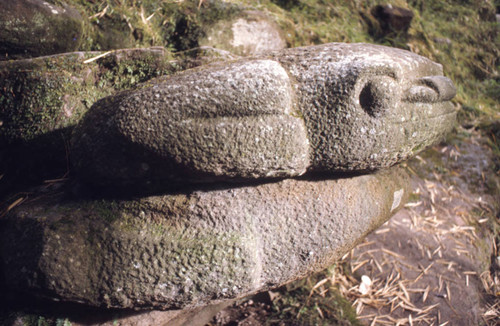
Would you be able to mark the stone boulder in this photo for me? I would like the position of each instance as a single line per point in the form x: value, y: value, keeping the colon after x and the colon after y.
x: 320, y: 109
x: 193, y: 248
x: 392, y: 19
x: 43, y: 94
x: 32, y: 28
x: 248, y: 33
x: 41, y: 99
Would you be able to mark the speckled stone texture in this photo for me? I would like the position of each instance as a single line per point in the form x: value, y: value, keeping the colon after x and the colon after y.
x: 328, y: 108
x: 368, y: 106
x: 192, y: 248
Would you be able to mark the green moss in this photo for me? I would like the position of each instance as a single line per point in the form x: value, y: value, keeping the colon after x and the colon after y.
x: 53, y: 93
x: 414, y: 197
x: 124, y: 74
x: 43, y: 96
x: 132, y: 23
x: 298, y: 306
x: 35, y: 320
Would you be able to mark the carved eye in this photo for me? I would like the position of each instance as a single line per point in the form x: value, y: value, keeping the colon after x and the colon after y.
x: 378, y: 95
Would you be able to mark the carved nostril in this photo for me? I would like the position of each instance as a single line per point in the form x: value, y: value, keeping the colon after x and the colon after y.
x: 431, y: 89
x: 442, y: 85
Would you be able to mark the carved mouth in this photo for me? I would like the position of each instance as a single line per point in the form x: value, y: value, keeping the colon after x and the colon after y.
x: 443, y: 114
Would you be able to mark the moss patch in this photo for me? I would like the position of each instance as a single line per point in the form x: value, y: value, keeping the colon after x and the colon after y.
x: 299, y: 303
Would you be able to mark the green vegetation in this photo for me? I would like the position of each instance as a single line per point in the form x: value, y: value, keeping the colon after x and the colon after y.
x: 41, y: 321
x: 32, y: 320
x: 313, y: 301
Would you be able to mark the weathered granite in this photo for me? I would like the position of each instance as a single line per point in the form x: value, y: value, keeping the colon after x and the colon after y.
x: 32, y: 28
x: 192, y: 248
x: 330, y: 108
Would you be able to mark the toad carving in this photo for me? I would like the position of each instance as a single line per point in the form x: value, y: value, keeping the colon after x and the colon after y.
x: 329, y: 108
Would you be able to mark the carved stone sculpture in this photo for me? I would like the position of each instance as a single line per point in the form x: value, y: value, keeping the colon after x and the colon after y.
x: 300, y: 114
x: 327, y: 108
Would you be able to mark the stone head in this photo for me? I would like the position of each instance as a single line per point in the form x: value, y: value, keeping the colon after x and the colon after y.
x: 367, y: 106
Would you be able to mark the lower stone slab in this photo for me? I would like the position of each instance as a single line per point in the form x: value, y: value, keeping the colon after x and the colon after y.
x: 194, y: 248
x: 28, y: 311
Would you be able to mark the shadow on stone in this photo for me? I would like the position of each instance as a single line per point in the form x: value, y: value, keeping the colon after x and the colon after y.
x: 18, y: 306
x: 27, y: 163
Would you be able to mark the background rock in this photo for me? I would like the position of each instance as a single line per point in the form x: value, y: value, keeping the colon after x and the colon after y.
x: 41, y: 99
x: 393, y: 19
x: 194, y: 248
x: 248, y: 33
x: 32, y: 28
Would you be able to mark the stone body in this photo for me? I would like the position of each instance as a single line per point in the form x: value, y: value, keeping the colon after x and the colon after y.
x: 192, y: 248
x: 32, y: 28
x: 320, y: 109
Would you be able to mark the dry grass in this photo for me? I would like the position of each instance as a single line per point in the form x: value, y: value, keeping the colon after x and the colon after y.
x: 446, y: 224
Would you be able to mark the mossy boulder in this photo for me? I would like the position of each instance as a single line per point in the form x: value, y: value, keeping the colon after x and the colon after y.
x: 41, y: 99
x: 191, y: 248
x: 32, y: 28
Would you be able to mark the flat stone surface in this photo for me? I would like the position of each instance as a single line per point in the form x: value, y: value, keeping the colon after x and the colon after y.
x: 193, y: 248
x: 330, y: 108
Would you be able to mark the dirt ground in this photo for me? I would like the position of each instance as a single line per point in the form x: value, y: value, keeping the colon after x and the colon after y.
x: 435, y: 262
